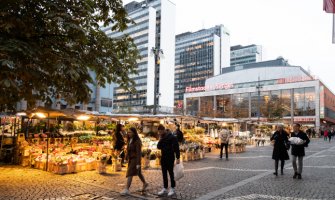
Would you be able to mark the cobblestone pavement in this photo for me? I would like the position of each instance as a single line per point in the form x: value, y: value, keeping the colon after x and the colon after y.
x: 244, y: 176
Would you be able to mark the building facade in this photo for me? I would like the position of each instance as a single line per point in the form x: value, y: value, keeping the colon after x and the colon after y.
x: 240, y: 55
x: 154, y: 28
x: 271, y: 91
x: 199, y: 55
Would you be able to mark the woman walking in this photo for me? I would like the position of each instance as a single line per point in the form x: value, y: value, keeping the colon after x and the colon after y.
x: 280, y: 139
x: 134, y: 154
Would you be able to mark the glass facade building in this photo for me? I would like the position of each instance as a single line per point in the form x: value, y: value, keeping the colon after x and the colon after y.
x: 240, y: 55
x: 199, y: 55
x: 154, y: 27
x: 273, y: 91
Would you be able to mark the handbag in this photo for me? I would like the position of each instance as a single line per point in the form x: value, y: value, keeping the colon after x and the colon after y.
x: 287, y: 145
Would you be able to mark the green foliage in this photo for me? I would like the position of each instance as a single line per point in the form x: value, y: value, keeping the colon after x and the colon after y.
x: 50, y: 49
x: 85, y: 138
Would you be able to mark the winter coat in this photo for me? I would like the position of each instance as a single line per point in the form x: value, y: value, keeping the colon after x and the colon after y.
x: 169, y: 149
x: 280, y: 139
x: 119, y: 141
x: 326, y: 133
x: 134, y: 155
x: 299, y: 150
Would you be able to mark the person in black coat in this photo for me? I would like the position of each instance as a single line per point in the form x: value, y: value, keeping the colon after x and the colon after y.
x: 119, y: 141
x: 179, y: 135
x: 298, y: 151
x: 168, y: 144
x: 280, y: 139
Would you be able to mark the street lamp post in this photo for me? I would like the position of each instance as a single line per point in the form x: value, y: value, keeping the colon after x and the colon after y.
x: 156, y: 51
x: 259, y: 87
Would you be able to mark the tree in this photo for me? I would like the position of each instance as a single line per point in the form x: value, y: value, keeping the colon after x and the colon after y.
x: 48, y: 48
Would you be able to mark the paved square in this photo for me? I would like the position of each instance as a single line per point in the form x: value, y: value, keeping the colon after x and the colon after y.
x: 245, y: 176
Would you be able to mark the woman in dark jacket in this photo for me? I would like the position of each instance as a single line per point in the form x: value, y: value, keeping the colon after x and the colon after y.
x: 134, y: 155
x: 280, y: 139
x: 119, y: 141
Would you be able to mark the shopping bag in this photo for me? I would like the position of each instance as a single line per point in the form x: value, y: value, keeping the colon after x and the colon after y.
x: 178, y: 171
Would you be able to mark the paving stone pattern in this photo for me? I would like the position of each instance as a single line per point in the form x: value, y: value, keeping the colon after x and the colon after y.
x: 209, y: 176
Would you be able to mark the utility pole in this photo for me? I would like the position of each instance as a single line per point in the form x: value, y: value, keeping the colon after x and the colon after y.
x: 259, y: 87
x: 156, y: 51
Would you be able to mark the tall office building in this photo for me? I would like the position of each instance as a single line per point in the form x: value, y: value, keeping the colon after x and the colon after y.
x: 154, y: 28
x: 200, y: 55
x: 240, y: 55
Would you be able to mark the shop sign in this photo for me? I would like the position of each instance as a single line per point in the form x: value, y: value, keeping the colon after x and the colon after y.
x: 219, y: 86
x: 304, y: 119
x: 294, y: 79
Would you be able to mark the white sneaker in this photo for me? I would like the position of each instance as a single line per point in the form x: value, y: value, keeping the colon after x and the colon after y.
x: 125, y: 192
x: 162, y: 192
x: 171, y: 192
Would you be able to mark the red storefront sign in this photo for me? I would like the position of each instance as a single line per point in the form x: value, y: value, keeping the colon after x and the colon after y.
x: 304, y: 119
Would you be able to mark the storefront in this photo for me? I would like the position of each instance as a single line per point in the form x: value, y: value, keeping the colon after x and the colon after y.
x: 272, y: 94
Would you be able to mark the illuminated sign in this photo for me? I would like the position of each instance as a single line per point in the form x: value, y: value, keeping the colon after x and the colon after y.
x: 304, y: 119
x: 219, y: 86
x: 294, y: 79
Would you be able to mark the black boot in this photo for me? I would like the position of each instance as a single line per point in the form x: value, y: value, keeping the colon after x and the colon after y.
x: 299, y: 176
x: 295, y: 175
x: 275, y: 173
x: 282, y: 167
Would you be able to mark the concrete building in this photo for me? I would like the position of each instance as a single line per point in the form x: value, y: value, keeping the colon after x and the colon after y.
x: 199, y: 55
x: 270, y: 91
x: 240, y: 55
x: 154, y: 28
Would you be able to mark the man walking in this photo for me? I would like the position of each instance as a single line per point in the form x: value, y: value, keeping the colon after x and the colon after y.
x: 224, y: 140
x: 298, y: 151
x: 168, y: 144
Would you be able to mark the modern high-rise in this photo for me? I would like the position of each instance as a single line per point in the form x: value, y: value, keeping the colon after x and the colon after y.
x: 154, y: 27
x: 199, y: 55
x: 240, y: 55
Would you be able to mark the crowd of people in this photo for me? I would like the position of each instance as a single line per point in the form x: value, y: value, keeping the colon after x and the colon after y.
x: 327, y: 133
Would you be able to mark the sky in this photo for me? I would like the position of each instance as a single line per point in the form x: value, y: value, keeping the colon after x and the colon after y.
x: 298, y: 30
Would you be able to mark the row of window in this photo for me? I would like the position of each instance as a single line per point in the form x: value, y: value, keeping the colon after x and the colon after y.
x: 271, y: 104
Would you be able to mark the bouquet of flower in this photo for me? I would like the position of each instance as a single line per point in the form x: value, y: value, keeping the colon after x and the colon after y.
x: 103, y: 158
x: 296, y: 141
x: 146, y: 153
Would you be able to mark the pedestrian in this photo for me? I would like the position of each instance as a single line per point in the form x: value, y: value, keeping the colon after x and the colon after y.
x: 330, y: 134
x: 134, y: 155
x: 298, y: 151
x: 179, y: 134
x: 325, y: 135
x: 281, y: 145
x: 313, y: 133
x: 119, y: 141
x: 224, y: 141
x: 309, y: 132
x: 168, y: 144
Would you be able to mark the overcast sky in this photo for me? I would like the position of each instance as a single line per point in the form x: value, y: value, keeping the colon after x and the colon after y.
x: 298, y: 30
